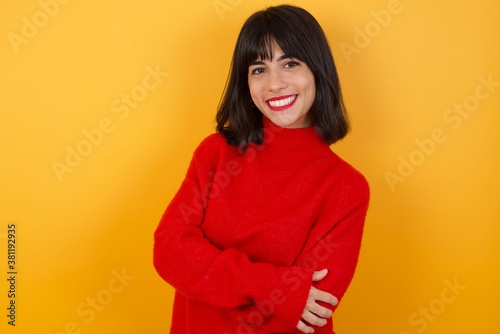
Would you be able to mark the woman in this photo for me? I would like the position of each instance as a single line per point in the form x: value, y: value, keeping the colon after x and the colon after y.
x: 264, y: 233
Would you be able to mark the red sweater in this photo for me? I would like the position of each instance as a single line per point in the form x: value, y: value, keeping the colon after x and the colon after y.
x: 242, y: 236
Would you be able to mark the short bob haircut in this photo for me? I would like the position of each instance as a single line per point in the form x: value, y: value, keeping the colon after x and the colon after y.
x: 300, y: 36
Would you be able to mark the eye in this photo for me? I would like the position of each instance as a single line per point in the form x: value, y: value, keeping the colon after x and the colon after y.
x: 257, y: 71
x: 292, y: 64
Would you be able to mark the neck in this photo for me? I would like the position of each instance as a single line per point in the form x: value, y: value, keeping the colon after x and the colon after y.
x: 294, y: 143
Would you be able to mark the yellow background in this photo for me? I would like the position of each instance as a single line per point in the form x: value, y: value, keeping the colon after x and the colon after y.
x: 77, y: 229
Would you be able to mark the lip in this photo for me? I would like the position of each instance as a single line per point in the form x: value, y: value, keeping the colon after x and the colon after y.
x: 280, y: 98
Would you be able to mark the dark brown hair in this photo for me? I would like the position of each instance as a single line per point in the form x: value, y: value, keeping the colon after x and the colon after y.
x: 300, y: 36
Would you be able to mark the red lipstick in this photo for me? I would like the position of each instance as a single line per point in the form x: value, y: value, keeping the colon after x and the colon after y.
x: 280, y: 103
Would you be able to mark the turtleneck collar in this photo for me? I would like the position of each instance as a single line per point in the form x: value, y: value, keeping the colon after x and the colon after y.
x: 295, y: 143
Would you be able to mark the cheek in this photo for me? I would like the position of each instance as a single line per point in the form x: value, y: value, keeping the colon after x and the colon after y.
x: 309, y: 87
x: 313, y: 92
x: 311, y: 96
x: 253, y: 90
x: 256, y: 95
x: 306, y: 82
x: 312, y: 86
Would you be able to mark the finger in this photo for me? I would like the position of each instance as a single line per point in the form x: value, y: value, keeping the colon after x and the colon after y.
x: 301, y: 326
x: 323, y: 296
x: 319, y: 275
x: 318, y: 311
x: 313, y: 319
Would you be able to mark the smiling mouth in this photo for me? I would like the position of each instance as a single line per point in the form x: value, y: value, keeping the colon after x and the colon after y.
x: 282, y: 102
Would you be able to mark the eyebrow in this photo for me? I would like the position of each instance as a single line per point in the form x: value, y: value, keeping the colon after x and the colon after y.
x: 260, y: 62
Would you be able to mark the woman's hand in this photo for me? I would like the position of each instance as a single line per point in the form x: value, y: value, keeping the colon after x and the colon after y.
x: 315, y: 314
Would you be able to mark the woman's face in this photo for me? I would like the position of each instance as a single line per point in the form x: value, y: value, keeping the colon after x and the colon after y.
x: 283, y: 88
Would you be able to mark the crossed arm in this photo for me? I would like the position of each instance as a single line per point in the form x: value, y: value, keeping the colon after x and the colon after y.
x: 227, y: 279
x: 314, y: 314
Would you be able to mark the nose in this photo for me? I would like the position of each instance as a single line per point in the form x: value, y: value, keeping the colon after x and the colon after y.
x: 276, y: 81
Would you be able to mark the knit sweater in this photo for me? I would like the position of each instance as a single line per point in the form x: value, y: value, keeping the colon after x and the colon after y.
x: 244, y: 233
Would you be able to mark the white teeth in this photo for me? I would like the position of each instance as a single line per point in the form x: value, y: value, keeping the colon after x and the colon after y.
x: 282, y: 103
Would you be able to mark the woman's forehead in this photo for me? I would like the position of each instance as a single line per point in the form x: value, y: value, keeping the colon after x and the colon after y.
x: 272, y: 51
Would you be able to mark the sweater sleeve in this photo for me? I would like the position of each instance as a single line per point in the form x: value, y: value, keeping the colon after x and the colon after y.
x: 334, y: 243
x: 225, y: 279
x: 335, y: 240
